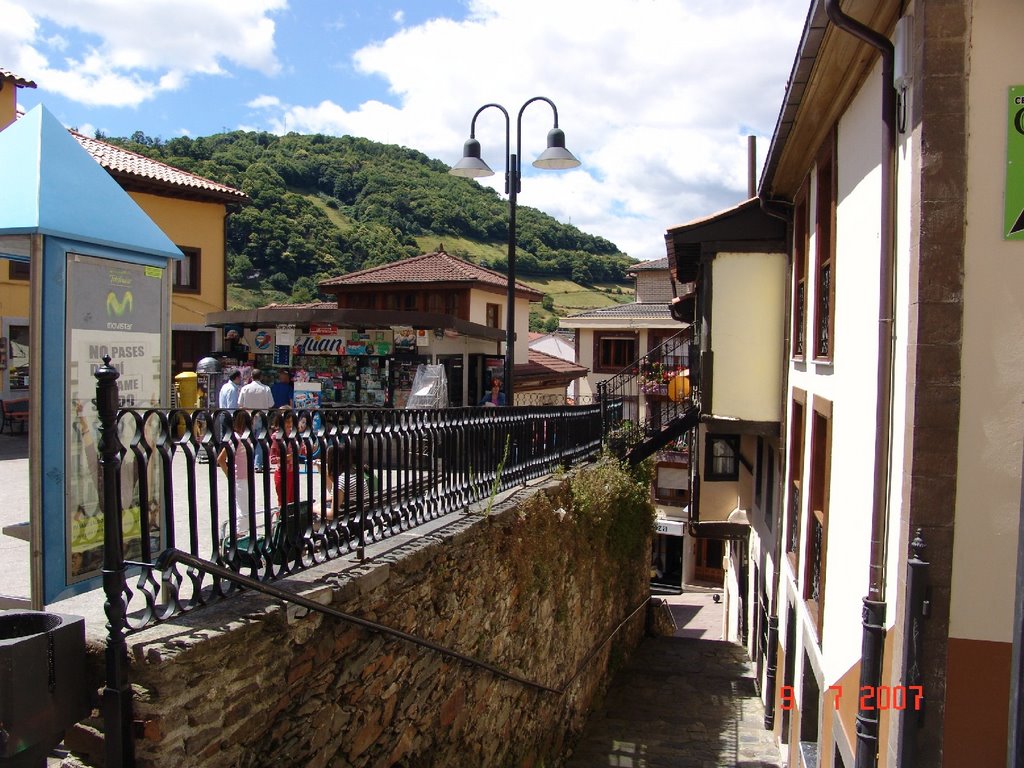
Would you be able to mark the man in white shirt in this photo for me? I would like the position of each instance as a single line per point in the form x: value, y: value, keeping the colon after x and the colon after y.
x: 227, y: 399
x: 257, y: 396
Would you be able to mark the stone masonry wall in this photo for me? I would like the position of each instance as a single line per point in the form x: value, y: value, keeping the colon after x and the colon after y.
x: 531, y: 587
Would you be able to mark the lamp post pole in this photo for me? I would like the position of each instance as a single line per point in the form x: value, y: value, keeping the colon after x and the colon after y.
x: 555, y: 157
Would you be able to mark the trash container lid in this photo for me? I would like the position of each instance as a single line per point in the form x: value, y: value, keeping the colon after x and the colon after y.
x: 185, y: 375
x: 208, y: 365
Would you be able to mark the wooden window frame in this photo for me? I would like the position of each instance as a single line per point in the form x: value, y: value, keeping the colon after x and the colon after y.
x: 600, y: 366
x: 194, y: 260
x: 710, y: 475
x: 823, y: 337
x: 817, y: 508
x: 798, y: 336
x: 492, y: 315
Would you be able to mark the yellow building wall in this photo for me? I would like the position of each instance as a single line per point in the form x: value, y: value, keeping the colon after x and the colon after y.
x: 8, y: 103
x: 746, y: 335
x: 13, y: 294
x: 199, y: 225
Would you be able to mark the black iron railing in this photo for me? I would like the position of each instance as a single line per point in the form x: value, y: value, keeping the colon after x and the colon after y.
x: 793, y: 520
x: 334, y: 481
x: 814, y: 556
x: 650, y: 394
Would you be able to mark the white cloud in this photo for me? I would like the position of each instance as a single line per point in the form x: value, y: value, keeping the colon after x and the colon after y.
x: 656, y: 99
x: 398, y: 17
x: 264, y: 101
x: 122, y: 54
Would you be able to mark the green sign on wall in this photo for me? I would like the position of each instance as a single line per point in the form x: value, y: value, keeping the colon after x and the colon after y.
x: 1013, y: 218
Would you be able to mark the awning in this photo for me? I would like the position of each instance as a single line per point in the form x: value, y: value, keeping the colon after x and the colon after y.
x: 269, y: 317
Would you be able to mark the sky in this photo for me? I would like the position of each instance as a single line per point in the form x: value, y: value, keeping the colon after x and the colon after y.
x: 656, y: 97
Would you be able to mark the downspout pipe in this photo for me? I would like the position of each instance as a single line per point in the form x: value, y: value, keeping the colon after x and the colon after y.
x: 873, y: 636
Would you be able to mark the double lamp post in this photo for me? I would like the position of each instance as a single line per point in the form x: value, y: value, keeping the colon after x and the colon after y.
x: 555, y: 157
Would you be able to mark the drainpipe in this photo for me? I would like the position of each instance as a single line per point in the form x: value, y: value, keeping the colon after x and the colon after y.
x: 873, y: 636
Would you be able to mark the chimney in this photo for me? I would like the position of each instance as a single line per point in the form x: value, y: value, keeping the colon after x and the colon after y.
x: 9, y: 85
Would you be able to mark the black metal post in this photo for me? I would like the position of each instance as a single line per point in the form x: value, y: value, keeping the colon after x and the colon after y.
x: 510, y: 330
x: 119, y: 739
x: 770, y: 672
x: 872, y: 645
x: 916, y: 612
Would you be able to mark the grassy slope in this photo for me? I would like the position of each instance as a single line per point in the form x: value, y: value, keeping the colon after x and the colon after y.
x: 569, y: 297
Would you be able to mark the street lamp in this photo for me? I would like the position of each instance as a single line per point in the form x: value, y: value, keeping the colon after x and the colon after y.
x: 555, y: 157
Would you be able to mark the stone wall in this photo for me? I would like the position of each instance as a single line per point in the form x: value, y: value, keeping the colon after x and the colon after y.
x: 533, y: 588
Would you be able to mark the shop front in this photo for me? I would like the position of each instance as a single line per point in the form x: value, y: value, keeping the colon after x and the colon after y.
x: 348, y: 357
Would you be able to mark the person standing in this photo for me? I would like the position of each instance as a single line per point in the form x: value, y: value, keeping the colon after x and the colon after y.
x: 495, y: 396
x: 256, y: 396
x: 228, y: 396
x: 283, y: 389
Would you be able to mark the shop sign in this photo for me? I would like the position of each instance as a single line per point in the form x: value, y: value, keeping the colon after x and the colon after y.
x: 422, y: 337
x: 354, y: 343
x: 323, y: 329
x: 263, y: 341
x: 669, y: 527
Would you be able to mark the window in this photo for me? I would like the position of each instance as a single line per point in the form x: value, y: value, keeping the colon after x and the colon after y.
x: 493, y: 315
x: 17, y: 270
x: 799, y: 274
x: 817, y: 519
x: 186, y: 271
x: 722, y: 458
x: 614, y: 351
x: 824, y: 253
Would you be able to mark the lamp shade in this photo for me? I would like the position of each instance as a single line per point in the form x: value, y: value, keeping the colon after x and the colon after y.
x: 471, y: 166
x: 556, y: 156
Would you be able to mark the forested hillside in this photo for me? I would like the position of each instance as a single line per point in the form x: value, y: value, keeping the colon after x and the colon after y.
x: 325, y: 205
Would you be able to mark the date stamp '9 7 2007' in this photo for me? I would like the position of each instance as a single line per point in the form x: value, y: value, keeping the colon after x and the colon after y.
x: 882, y: 697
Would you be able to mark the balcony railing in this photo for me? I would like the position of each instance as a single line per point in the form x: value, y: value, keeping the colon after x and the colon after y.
x: 793, y: 520
x: 652, y: 394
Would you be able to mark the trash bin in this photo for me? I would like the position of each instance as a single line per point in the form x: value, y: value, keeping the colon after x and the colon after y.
x: 187, y: 384
x: 43, y: 689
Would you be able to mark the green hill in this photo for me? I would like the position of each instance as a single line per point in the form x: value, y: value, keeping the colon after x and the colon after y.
x: 324, y: 206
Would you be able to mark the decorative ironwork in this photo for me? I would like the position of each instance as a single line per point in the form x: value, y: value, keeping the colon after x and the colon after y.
x: 799, y: 319
x: 337, y: 480
x: 793, y: 520
x: 824, y: 339
x: 814, y: 561
x: 650, y: 394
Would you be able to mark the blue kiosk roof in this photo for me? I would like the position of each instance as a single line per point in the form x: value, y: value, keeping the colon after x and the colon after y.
x: 50, y: 185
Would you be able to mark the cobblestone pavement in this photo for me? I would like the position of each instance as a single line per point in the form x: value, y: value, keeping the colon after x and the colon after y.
x: 680, y: 703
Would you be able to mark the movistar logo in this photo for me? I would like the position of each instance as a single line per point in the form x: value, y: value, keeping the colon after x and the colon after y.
x: 117, y: 307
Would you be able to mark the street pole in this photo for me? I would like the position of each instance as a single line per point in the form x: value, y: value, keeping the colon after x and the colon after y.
x: 555, y: 157
x: 510, y: 330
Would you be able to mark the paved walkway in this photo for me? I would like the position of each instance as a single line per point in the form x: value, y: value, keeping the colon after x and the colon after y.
x: 681, y: 702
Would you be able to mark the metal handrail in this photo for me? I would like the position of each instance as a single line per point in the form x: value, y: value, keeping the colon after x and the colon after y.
x: 170, y: 557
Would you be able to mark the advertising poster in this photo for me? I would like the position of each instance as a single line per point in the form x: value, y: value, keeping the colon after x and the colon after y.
x: 116, y: 309
x: 1013, y: 217
x: 405, y: 340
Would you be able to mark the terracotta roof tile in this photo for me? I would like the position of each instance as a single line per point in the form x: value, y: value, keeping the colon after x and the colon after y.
x: 124, y: 164
x: 636, y: 310
x: 20, y: 82
x: 541, y: 363
x: 437, y: 267
x: 661, y: 263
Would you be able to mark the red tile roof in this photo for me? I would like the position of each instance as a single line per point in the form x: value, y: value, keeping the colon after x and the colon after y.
x: 20, y: 82
x: 141, y: 172
x: 541, y: 363
x: 437, y: 267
